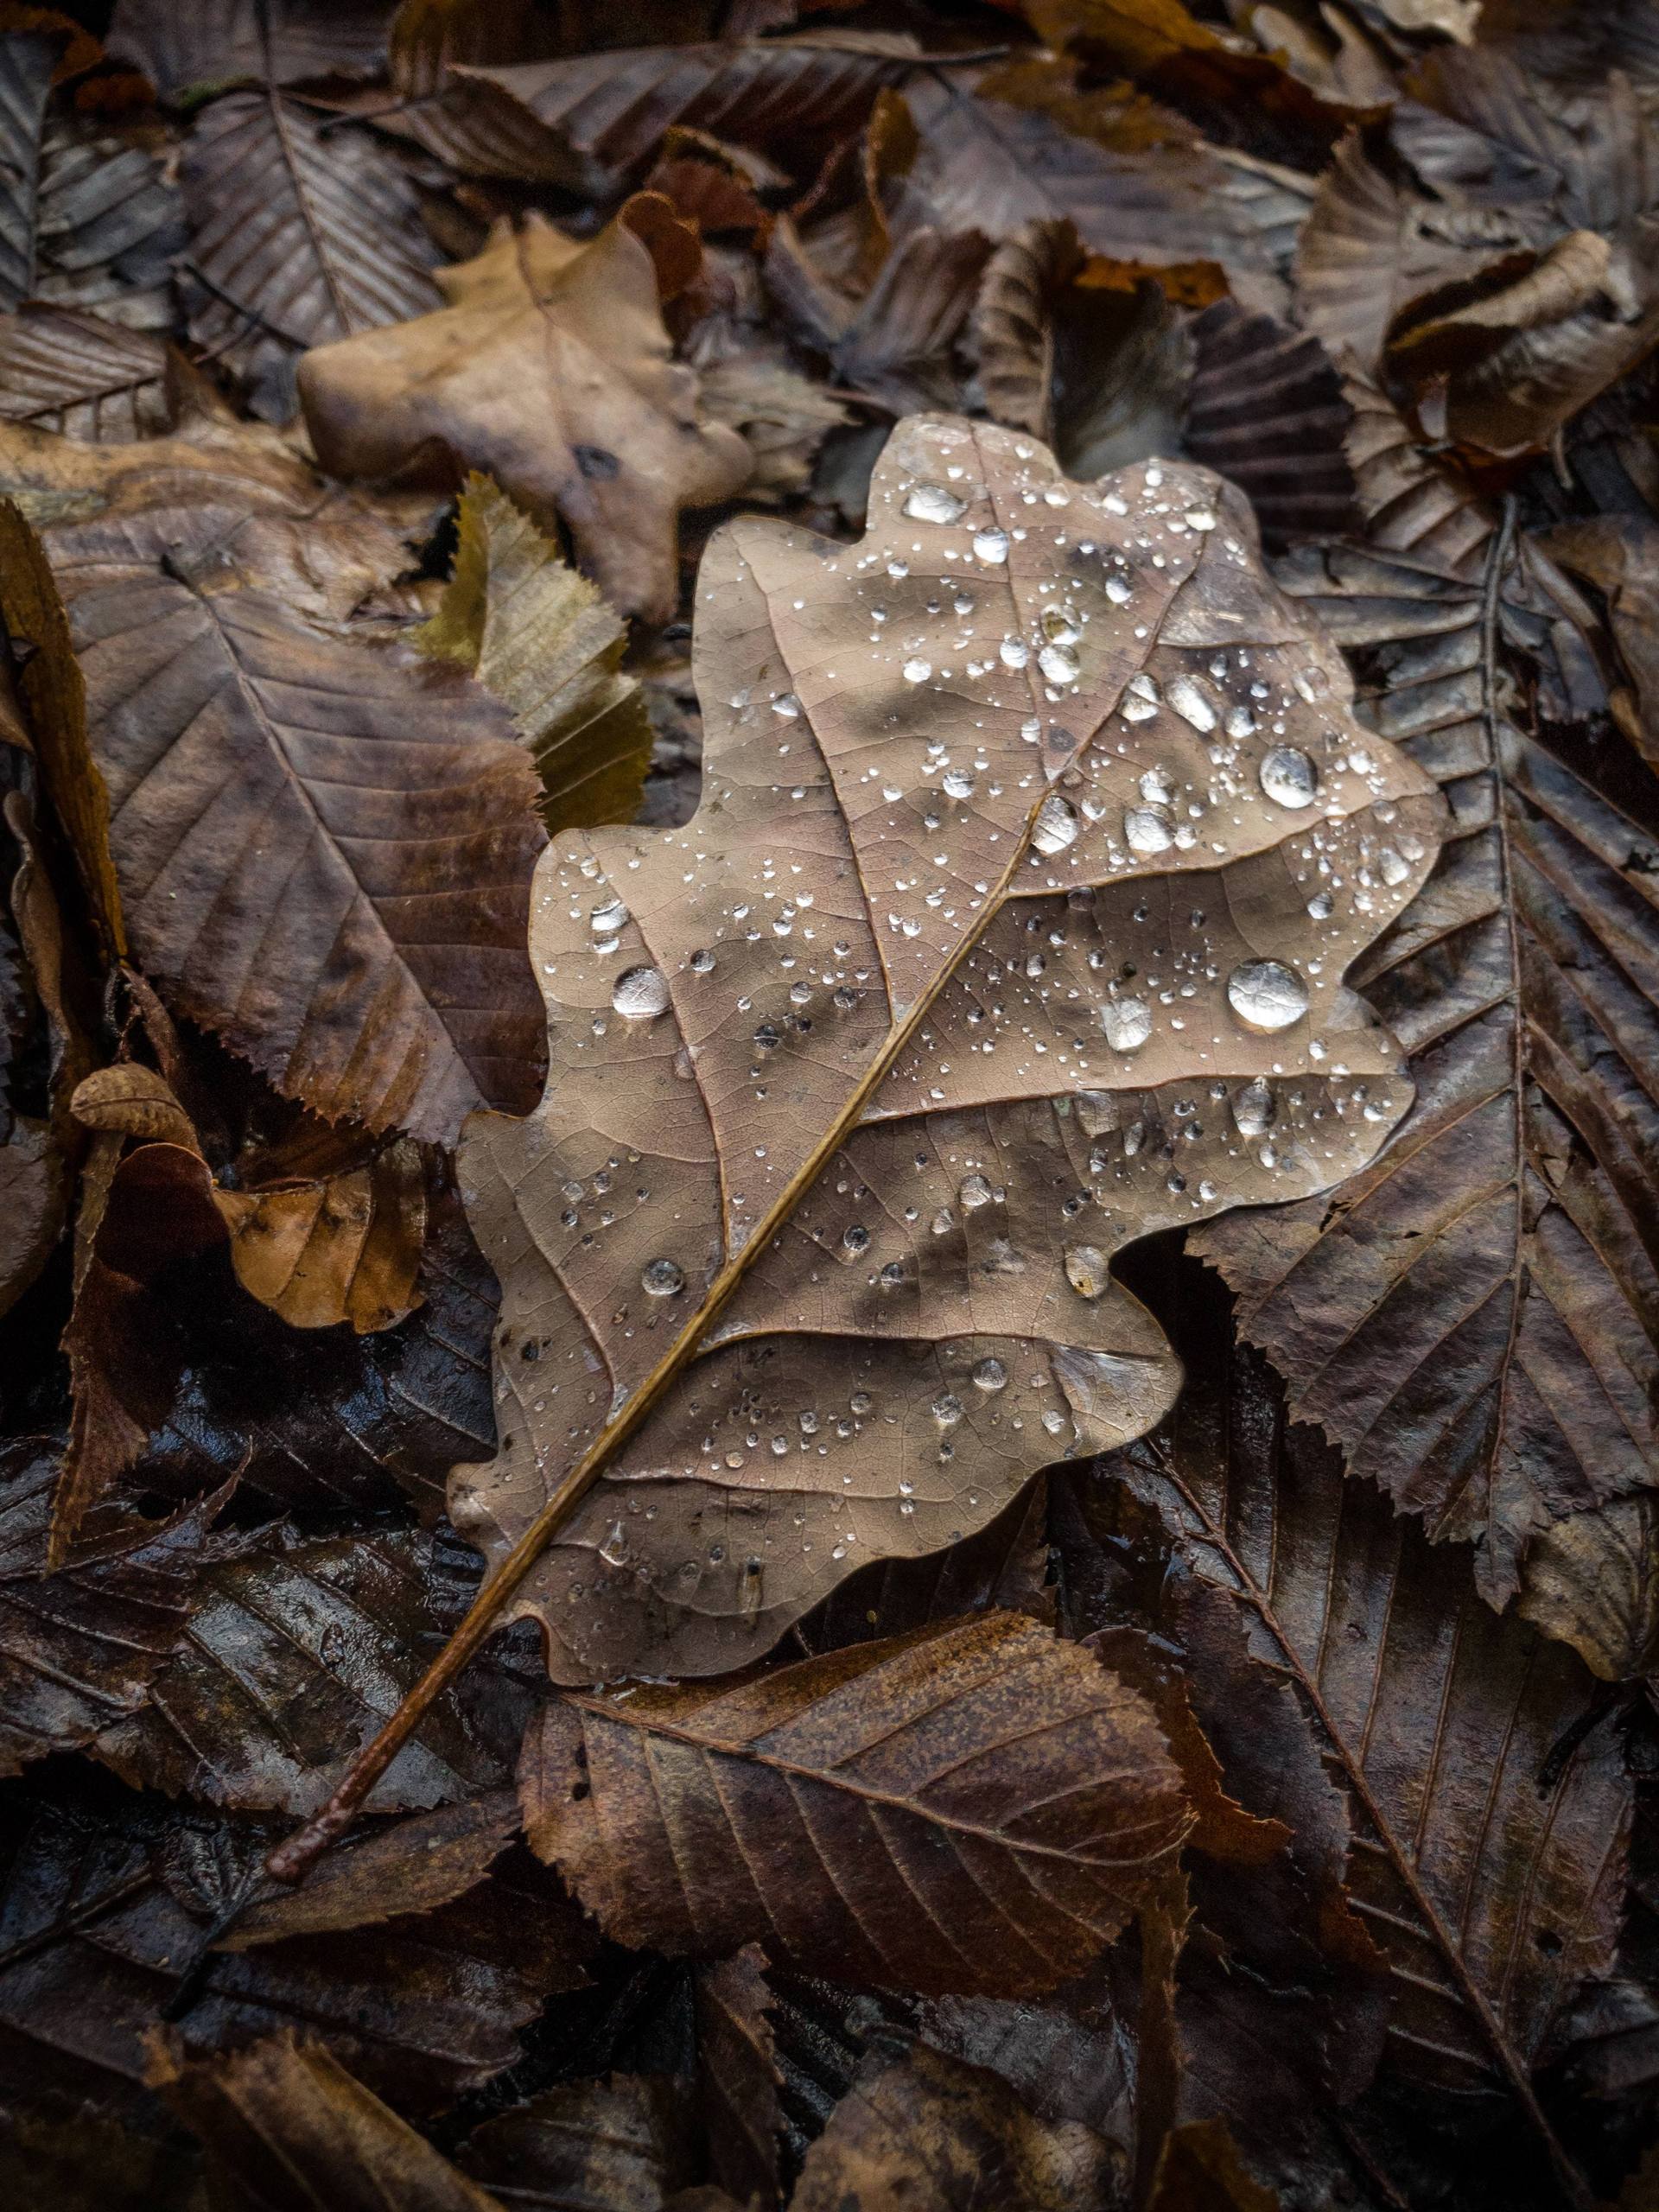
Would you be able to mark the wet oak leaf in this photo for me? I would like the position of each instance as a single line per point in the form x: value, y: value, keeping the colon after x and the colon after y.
x: 948, y: 975
x: 324, y: 848
x: 551, y: 370
x: 540, y: 640
x: 973, y: 1807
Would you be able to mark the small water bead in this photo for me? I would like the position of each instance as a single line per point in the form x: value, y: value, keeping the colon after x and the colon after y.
x: 861, y: 1402
x: 947, y: 1409
x: 1289, y: 777
x: 608, y: 917
x: 1059, y: 663
x: 1392, y: 870
x: 990, y: 1375
x: 1118, y: 590
x: 1096, y: 1112
x: 662, y: 1278
x: 641, y: 994
x: 1190, y: 704
x: 1147, y: 829
x: 1267, y: 996
x: 1241, y: 722
x: 1254, y: 1108
x: 856, y: 1240
x: 1321, y: 905
x: 958, y: 783
x: 916, y: 671
x: 1030, y: 730
x: 1128, y: 1023
x: 1013, y: 652
x: 973, y: 1190
x: 1055, y: 826
x: 1141, y: 700
x: 1086, y: 1270
x: 1156, y: 788
x: 991, y: 547
x: 933, y: 503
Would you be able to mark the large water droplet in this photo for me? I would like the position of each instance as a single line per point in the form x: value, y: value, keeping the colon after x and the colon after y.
x: 990, y: 1375
x: 1128, y: 1023
x: 1254, y: 1108
x: 1147, y: 829
x: 1266, y: 994
x: 973, y: 1190
x: 991, y: 546
x: 640, y: 993
x: 1096, y: 1112
x: 608, y: 917
x: 1392, y: 870
x: 1118, y: 590
x: 1013, y: 652
x: 1059, y: 663
x: 663, y: 1278
x: 947, y: 1409
x: 917, y: 671
x: 1141, y: 700
x: 1055, y: 826
x: 959, y: 783
x: 1289, y: 777
x: 933, y: 503
x: 1190, y: 704
x: 1086, y: 1270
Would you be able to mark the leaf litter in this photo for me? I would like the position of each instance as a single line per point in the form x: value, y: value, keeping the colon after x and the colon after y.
x: 826, y: 1049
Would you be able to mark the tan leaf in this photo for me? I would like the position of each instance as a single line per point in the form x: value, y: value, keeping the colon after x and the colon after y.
x: 286, y: 2121
x: 976, y: 1807
x: 1004, y: 936
x: 540, y: 637
x: 550, y: 369
x: 931, y: 2132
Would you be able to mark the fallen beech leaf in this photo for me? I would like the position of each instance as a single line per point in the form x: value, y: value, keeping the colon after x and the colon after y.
x: 551, y: 370
x: 1593, y: 1581
x: 935, y: 854
x: 404, y: 1867
x: 540, y: 639
x: 359, y: 934
x: 297, y: 241
x: 216, y: 41
x: 590, y: 121
x: 1266, y: 408
x: 737, y: 2076
x: 79, y: 1646
x: 1492, y: 1900
x: 287, y: 2122
x: 1619, y: 554
x: 82, y: 377
x: 345, y: 1248
x: 105, y: 1905
x: 614, y: 2145
x: 297, y: 1649
x: 927, y: 2132
x: 1004, y: 1781
x: 1471, y: 1319
x: 87, y: 220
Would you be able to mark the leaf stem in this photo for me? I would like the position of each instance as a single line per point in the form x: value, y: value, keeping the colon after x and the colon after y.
x: 293, y: 1857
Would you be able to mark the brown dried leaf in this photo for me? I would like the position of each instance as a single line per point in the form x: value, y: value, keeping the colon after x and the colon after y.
x: 1265, y: 407
x: 1199, y: 2170
x: 540, y: 639
x: 1474, y: 1319
x: 877, y: 919
x: 294, y: 2132
x: 928, y: 2132
x: 344, y: 1248
x: 1489, y: 1827
x: 551, y: 370
x: 81, y: 1647
x: 297, y: 1648
x: 1619, y: 554
x: 81, y: 376
x: 297, y: 241
x: 737, y: 2076
x: 620, y: 2145
x: 217, y: 42
x: 324, y: 848
x: 103, y: 1910
x: 399, y: 1867
x: 976, y: 1807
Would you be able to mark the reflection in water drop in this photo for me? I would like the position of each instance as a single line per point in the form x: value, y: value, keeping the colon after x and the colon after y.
x: 640, y: 993
x: 1266, y: 994
x: 663, y: 1278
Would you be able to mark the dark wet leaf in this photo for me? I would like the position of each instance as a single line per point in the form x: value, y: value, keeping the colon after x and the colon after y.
x: 215, y: 43
x: 79, y: 375
x: 616, y: 2145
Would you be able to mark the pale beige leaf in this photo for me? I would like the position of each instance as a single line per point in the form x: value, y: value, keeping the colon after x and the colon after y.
x: 1036, y: 836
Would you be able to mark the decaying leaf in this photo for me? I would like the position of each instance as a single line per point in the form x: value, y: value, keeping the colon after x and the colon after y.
x: 323, y: 848
x: 1475, y: 1319
x: 1492, y: 1902
x: 920, y: 2129
x: 1199, y: 2170
x: 295, y: 2133
x: 540, y: 639
x: 79, y: 375
x: 343, y: 1247
x: 612, y: 2145
x: 1006, y: 917
x: 974, y: 1806
x: 551, y: 370
x: 297, y: 1649
x: 737, y: 2076
x: 213, y: 42
x: 1619, y: 554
